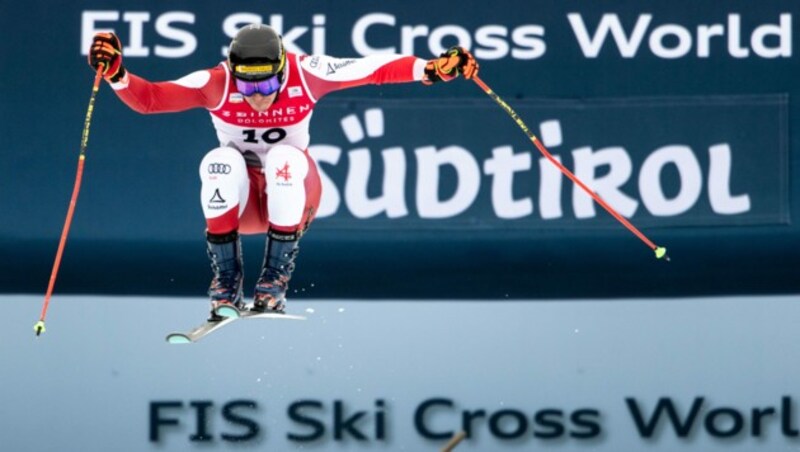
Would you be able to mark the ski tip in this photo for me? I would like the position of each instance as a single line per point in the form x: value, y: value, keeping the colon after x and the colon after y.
x: 177, y: 338
x: 228, y: 311
x: 39, y: 328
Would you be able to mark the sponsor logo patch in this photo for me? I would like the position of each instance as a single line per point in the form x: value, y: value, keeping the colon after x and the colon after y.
x: 219, y: 168
x: 217, y: 202
x: 284, y: 173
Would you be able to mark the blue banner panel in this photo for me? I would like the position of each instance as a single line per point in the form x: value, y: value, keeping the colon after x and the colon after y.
x: 675, y: 112
x: 680, y: 161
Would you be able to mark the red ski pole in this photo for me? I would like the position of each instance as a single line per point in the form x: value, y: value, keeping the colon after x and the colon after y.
x: 660, y: 251
x: 39, y: 326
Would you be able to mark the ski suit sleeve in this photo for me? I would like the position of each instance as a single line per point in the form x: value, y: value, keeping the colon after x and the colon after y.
x: 200, y: 89
x: 324, y: 74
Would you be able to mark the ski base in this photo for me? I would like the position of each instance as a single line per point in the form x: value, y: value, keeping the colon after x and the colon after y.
x: 209, y: 326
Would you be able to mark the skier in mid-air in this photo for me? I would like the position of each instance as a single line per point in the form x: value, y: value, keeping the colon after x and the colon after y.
x: 261, y: 178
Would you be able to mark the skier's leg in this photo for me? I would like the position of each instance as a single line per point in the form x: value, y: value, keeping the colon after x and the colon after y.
x: 293, y: 194
x: 224, y: 194
x: 225, y: 254
x: 254, y: 219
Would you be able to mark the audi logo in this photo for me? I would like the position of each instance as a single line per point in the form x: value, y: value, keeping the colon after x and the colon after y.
x: 219, y: 168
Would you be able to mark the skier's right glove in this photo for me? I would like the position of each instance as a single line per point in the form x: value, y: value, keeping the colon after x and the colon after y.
x: 106, y: 52
x: 457, y: 60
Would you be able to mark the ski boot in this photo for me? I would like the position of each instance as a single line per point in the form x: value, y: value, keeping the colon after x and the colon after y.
x: 225, y: 253
x: 280, y: 253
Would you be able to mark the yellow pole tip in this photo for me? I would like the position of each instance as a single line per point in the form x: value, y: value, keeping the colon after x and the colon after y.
x: 39, y: 327
x: 660, y: 252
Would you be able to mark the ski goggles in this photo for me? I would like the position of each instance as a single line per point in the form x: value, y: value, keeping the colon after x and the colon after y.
x: 263, y: 87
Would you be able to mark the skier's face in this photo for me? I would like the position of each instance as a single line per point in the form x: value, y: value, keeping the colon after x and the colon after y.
x: 260, y: 102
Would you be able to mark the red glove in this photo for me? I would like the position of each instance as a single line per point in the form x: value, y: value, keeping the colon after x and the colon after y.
x: 106, y: 52
x: 457, y: 60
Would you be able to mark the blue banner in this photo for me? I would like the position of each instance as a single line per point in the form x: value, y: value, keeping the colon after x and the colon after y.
x: 675, y: 113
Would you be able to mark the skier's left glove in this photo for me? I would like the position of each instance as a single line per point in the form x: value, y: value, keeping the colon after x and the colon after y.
x: 106, y: 52
x: 457, y: 60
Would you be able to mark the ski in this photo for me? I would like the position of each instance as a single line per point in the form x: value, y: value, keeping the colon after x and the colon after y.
x: 209, y: 326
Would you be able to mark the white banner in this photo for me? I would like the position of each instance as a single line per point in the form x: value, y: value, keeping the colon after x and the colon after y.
x: 613, y: 375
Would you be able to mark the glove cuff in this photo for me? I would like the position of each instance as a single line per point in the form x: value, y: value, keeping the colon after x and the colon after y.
x: 121, y: 73
x: 430, y: 77
x: 122, y: 83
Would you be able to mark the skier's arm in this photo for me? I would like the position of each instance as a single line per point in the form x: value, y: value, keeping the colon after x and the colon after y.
x: 201, y: 89
x: 324, y: 74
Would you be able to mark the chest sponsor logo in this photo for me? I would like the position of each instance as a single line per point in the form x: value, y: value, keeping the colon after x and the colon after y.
x: 236, y: 98
x: 295, y: 91
x: 276, y: 115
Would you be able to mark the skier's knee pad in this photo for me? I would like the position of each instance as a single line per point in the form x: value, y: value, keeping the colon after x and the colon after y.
x: 223, y: 173
x: 286, y: 168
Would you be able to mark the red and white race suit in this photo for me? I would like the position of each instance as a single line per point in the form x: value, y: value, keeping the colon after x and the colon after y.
x: 261, y: 176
